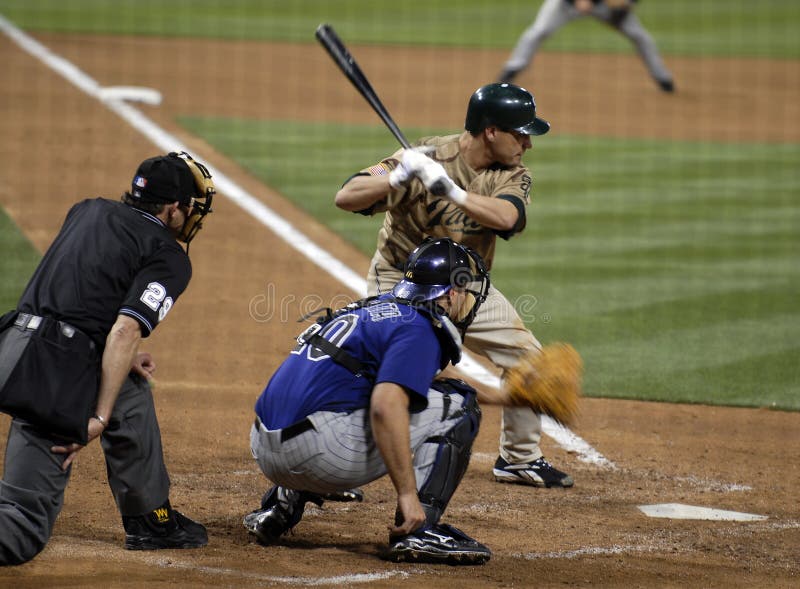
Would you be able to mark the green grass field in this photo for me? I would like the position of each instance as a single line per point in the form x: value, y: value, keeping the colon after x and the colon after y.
x: 18, y: 262
x: 672, y: 266
x: 681, y: 27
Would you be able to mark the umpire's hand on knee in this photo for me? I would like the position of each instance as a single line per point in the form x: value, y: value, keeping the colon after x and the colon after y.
x: 95, y: 428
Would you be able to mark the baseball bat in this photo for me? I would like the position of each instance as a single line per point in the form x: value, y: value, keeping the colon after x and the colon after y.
x: 350, y: 68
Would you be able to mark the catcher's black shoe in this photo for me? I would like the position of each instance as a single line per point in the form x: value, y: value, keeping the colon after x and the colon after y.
x: 538, y: 473
x: 281, y: 510
x: 163, y: 528
x: 441, y: 543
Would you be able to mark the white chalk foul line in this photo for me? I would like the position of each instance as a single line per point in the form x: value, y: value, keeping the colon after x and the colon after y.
x: 72, y: 547
x: 590, y: 551
x: 166, y: 142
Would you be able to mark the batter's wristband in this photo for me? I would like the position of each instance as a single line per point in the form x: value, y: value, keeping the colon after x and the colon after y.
x: 458, y: 195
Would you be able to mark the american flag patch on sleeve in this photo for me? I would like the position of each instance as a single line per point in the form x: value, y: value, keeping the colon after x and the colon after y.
x: 378, y: 170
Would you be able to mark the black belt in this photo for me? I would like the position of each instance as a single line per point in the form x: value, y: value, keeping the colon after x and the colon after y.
x: 294, y: 430
x: 30, y: 322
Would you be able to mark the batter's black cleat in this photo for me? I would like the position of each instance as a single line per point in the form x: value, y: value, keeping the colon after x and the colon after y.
x: 442, y: 544
x: 163, y: 528
x: 281, y: 510
x: 538, y: 473
x: 345, y: 496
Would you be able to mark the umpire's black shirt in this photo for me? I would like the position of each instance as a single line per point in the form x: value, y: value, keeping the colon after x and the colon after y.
x: 108, y: 259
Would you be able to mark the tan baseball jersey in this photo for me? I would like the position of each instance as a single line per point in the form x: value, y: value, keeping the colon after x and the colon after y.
x: 413, y: 213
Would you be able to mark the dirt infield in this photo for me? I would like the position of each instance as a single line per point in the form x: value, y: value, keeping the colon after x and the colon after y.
x: 57, y: 145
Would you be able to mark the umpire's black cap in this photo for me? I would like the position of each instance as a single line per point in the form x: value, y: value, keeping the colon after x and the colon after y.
x: 164, y: 179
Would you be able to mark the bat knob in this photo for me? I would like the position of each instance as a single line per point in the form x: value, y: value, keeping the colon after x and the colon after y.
x: 439, y: 188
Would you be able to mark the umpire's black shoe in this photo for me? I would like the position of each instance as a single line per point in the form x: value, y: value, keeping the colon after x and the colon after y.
x: 281, y: 510
x: 441, y: 543
x: 163, y: 528
x: 538, y: 473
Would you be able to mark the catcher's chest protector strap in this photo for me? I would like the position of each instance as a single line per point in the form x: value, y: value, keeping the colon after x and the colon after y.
x: 337, y: 354
x: 312, y: 337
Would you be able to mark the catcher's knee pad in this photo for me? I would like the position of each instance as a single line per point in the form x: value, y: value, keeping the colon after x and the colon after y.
x: 455, y: 447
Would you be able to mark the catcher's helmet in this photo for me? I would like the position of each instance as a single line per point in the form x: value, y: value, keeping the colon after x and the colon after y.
x: 505, y: 106
x: 439, y: 265
x: 175, y: 177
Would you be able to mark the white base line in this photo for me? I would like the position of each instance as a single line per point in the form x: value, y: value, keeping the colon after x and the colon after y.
x: 72, y: 547
x: 266, y: 216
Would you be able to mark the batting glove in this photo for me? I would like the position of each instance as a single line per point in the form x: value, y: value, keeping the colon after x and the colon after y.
x: 436, y: 180
x: 411, y: 163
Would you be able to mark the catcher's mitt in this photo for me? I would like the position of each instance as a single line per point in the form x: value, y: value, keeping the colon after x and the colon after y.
x: 548, y: 381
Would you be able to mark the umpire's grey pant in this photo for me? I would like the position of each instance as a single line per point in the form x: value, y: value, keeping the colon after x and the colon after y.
x: 32, y: 489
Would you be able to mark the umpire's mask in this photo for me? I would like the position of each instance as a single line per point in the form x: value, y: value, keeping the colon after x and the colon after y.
x: 200, y: 204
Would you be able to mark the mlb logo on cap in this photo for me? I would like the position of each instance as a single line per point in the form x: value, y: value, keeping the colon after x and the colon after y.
x: 139, y: 183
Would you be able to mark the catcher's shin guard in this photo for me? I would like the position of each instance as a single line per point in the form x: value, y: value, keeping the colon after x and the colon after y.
x: 453, y: 453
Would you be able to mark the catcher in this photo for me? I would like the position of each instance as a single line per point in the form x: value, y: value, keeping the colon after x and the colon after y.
x: 354, y: 402
x: 488, y: 193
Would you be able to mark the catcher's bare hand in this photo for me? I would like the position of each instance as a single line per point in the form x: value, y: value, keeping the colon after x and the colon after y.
x: 412, y: 513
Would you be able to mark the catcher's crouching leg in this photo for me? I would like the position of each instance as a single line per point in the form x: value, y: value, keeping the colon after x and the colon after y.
x: 281, y: 510
x: 436, y: 542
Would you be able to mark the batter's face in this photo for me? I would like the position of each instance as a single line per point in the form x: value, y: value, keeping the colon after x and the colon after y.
x: 508, y: 147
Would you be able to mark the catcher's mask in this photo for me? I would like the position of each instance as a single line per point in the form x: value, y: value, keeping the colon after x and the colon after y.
x: 437, y: 266
x: 505, y: 106
x: 176, y: 177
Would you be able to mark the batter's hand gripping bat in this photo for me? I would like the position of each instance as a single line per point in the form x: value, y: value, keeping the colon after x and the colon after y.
x: 341, y: 56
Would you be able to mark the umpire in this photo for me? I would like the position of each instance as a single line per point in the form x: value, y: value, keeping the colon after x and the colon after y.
x: 70, y: 369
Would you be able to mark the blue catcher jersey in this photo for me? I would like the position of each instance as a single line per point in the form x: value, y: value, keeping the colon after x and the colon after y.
x: 394, y: 342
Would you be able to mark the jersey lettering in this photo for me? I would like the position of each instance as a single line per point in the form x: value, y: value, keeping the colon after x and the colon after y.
x: 336, y: 332
x: 382, y: 311
x: 154, y: 295
x: 165, y: 307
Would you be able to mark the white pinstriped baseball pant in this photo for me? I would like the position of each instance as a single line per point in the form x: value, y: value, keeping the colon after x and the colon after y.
x: 340, y: 452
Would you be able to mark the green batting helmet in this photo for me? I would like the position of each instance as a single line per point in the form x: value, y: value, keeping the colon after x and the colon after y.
x: 505, y: 106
